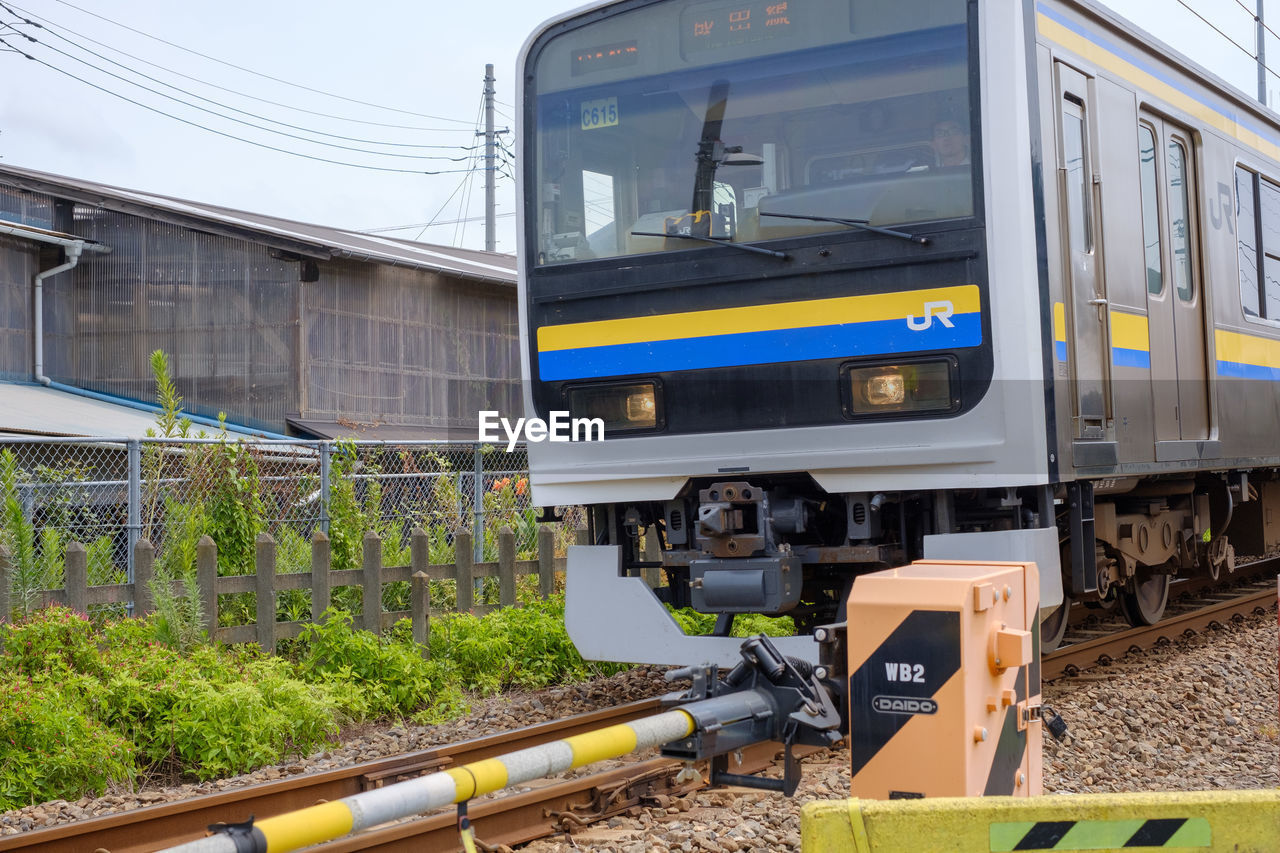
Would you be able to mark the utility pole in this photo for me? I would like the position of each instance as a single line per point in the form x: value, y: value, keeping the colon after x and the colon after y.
x: 1262, y: 57
x: 490, y: 163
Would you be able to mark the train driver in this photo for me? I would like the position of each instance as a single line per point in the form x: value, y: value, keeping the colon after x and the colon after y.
x: 950, y: 143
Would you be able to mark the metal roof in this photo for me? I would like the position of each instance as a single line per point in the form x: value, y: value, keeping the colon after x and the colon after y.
x: 28, y: 410
x: 329, y: 429
x: 316, y: 241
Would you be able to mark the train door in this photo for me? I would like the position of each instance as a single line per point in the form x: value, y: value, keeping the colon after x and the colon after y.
x: 1175, y: 309
x: 1086, y: 289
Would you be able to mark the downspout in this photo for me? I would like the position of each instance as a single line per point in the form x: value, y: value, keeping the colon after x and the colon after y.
x: 73, y: 251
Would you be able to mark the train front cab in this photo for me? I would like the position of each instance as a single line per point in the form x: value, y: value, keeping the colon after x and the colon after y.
x: 821, y: 397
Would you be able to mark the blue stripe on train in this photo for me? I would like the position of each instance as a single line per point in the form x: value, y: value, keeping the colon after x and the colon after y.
x: 1121, y: 357
x: 768, y: 347
x: 1248, y: 371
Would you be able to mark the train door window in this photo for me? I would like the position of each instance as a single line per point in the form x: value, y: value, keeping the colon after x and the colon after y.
x: 1247, y: 241
x: 1074, y: 149
x: 1179, y: 225
x: 1176, y: 328
x: 1269, y: 208
x: 1150, y: 209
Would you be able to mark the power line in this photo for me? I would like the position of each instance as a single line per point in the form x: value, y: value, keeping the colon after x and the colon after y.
x: 55, y: 26
x: 256, y: 73
x: 227, y: 106
x: 237, y: 120
x: 1253, y: 13
x: 229, y: 135
x: 442, y: 207
x: 429, y: 224
x: 464, y: 204
x: 1214, y: 27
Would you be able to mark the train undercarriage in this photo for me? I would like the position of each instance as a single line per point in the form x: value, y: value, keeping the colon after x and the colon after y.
x: 781, y: 545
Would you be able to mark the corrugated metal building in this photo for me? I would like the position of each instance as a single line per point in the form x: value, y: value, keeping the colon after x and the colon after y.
x: 283, y: 326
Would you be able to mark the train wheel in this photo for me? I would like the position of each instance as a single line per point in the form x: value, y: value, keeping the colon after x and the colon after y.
x: 1054, y: 627
x: 1145, y: 605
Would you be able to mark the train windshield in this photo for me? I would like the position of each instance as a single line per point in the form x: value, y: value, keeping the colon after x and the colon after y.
x: 674, y: 125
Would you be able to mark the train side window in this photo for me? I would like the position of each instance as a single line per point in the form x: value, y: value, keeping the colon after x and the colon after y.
x: 1179, y: 226
x: 1269, y: 209
x: 1247, y: 237
x: 1073, y: 142
x: 1150, y: 209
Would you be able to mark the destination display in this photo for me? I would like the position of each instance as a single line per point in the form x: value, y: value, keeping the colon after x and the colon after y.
x: 718, y: 25
x: 616, y: 55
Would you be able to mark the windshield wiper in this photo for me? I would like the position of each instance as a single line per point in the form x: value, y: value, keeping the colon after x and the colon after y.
x: 854, y: 223
x: 719, y: 241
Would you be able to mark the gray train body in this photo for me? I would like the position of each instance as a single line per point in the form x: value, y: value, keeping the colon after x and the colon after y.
x: 1072, y: 333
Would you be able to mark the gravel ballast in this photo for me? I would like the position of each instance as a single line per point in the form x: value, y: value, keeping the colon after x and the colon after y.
x: 1197, y: 714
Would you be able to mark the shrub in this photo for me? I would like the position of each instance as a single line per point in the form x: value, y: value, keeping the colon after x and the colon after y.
x: 393, y: 677
x: 525, y: 647
x: 50, y: 747
x: 229, y: 726
x: 211, y: 712
x: 694, y: 623
x: 51, y: 642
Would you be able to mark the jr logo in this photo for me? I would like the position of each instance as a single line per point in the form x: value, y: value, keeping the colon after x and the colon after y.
x: 942, y: 310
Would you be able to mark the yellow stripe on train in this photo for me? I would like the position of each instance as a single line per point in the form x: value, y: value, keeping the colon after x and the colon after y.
x: 964, y: 299
x: 1129, y: 331
x: 1252, y: 350
x: 1108, y: 61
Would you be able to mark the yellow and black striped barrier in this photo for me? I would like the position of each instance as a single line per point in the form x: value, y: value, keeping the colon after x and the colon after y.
x: 329, y: 821
x: 1199, y: 821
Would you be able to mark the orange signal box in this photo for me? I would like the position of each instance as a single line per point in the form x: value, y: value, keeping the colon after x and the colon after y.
x: 944, y: 684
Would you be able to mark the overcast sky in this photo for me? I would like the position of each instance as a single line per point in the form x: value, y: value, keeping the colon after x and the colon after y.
x: 421, y: 62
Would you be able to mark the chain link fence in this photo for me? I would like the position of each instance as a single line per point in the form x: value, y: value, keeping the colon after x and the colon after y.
x: 108, y: 494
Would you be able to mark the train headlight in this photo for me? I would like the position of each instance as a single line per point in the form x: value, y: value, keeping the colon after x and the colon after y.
x: 923, y: 386
x: 885, y: 389
x: 624, y: 406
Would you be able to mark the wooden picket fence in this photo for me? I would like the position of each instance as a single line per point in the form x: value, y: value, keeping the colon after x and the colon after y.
x: 321, y: 580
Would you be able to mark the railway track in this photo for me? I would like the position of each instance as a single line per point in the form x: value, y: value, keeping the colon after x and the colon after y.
x: 1199, y: 606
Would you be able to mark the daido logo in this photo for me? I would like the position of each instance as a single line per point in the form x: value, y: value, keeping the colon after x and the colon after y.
x: 904, y: 705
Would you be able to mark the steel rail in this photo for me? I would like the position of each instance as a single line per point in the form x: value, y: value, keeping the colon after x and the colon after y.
x: 1078, y: 656
x: 168, y: 824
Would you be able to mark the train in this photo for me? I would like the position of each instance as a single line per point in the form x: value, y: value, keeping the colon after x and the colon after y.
x: 852, y: 283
